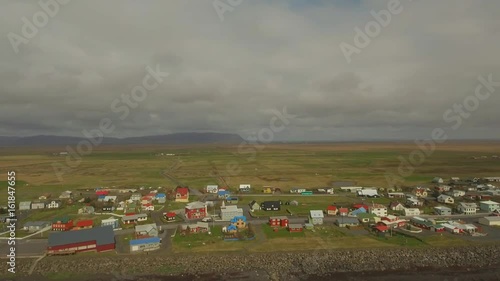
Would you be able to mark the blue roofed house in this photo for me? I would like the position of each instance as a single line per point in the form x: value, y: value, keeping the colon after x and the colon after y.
x: 161, y: 197
x: 358, y: 211
x: 145, y: 244
x: 239, y: 221
x: 223, y: 194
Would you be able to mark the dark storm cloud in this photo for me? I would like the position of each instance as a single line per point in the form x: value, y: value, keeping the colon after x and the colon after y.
x: 228, y: 76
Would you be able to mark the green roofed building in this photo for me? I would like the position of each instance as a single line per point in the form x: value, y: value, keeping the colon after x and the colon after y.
x: 366, y: 218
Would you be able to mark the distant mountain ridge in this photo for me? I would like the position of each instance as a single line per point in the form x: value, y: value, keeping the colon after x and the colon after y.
x: 174, y: 139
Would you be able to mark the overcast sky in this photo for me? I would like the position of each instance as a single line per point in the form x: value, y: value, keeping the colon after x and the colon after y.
x: 226, y: 75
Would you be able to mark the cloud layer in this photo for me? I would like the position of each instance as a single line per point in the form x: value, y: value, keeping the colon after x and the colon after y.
x: 226, y: 75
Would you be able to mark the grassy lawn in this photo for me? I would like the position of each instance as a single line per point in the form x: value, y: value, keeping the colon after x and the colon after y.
x: 402, y: 240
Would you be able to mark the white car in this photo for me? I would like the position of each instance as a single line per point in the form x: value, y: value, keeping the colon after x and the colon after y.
x: 207, y: 219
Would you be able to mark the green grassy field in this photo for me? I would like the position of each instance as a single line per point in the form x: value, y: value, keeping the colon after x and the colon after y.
x: 284, y: 166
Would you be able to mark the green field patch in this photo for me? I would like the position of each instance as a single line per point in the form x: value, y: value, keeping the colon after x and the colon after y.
x: 282, y: 232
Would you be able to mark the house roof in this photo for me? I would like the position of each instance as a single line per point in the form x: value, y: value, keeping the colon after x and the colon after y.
x: 489, y: 202
x: 102, y: 235
x: 171, y: 214
x: 134, y: 217
x: 381, y: 228
x: 468, y: 205
x: 278, y: 218
x: 331, y: 208
x: 270, y: 204
x: 316, y: 214
x: 442, y: 208
x: 84, y: 223
x: 366, y: 216
x: 25, y: 203
x: 237, y: 218
x: 253, y: 203
x: 161, y: 195
x: 394, y: 204
x: 295, y: 225
x: 64, y: 219
x: 195, y: 205
x: 145, y: 227
x: 348, y: 220
x: 149, y: 240
x: 183, y: 191
x: 343, y: 210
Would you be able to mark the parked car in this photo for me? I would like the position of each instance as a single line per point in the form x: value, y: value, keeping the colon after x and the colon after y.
x: 207, y: 219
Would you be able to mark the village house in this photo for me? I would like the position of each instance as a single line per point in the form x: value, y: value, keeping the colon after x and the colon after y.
x: 368, y: 218
x: 86, y: 210
x: 396, y: 206
x: 298, y: 190
x: 161, y: 198
x: 467, y: 208
x: 107, y: 209
x: 223, y: 194
x: 199, y: 227
x: 195, y: 210
x: 107, y: 198
x: 232, y: 200
x: 358, y: 211
x: 121, y: 206
x: 146, y: 230
x: 54, y: 204
x: 445, y: 199
x: 245, y: 188
x: 145, y: 244
x: 182, y: 194
x: 66, y: 194
x: 393, y: 221
x: 169, y: 216
x: 370, y: 193
x: 45, y: 196
x: 437, y: 180
x: 331, y: 210
x: 212, y: 188
x: 83, y: 224
x: 33, y: 226
x: 412, y: 211
x: 135, y: 218
x: 421, y: 223
x: 254, y: 206
x: 420, y: 192
x: 135, y: 197
x: 378, y: 209
x: 24, y: 205
x: 443, y: 211
x: 37, y: 205
x: 489, y: 206
x: 270, y: 205
x: 347, y: 222
x: 456, y: 193
x: 351, y: 188
x: 101, y: 192
x: 316, y: 217
x: 146, y: 200
x: 343, y: 212
x: 229, y: 212
x: 148, y: 207
x: 413, y: 202
x: 396, y: 195
x: 381, y: 228
x: 490, y: 221
x: 98, y: 239
x: 443, y: 188
x: 278, y: 221
x: 62, y: 224
x: 112, y: 222
x: 295, y: 227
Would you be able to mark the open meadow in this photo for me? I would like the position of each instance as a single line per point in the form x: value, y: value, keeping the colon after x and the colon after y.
x: 279, y: 165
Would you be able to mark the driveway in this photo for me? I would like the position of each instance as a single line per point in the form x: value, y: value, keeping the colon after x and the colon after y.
x: 31, y: 247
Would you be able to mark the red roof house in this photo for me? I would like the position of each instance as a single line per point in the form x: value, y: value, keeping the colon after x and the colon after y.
x: 359, y: 205
x: 332, y: 210
x: 182, y: 194
x: 83, y: 224
x: 343, y: 211
x: 381, y: 228
x: 170, y: 216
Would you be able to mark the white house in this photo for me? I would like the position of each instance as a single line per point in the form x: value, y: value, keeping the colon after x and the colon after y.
x: 351, y: 188
x: 66, y: 194
x: 489, y: 206
x: 368, y: 193
x: 107, y: 198
x: 413, y: 202
x: 441, y: 210
x: 467, y: 208
x: 136, y: 197
x: 445, y: 199
x: 437, y: 180
x: 53, y: 204
x: 456, y: 193
x: 378, y: 210
x: 316, y: 217
x: 212, y: 188
x: 412, y: 211
x: 148, y: 207
x: 25, y: 205
x: 245, y: 187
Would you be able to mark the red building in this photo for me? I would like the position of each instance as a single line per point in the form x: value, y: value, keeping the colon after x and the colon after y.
x: 195, y: 210
x: 357, y: 206
x: 101, y: 192
x: 170, y: 216
x: 83, y: 224
x: 332, y: 210
x: 278, y: 221
x: 295, y: 228
x: 343, y: 211
x: 182, y: 194
x: 97, y: 239
x: 62, y: 224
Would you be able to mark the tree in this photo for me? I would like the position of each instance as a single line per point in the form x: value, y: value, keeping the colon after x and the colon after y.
x: 87, y: 200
